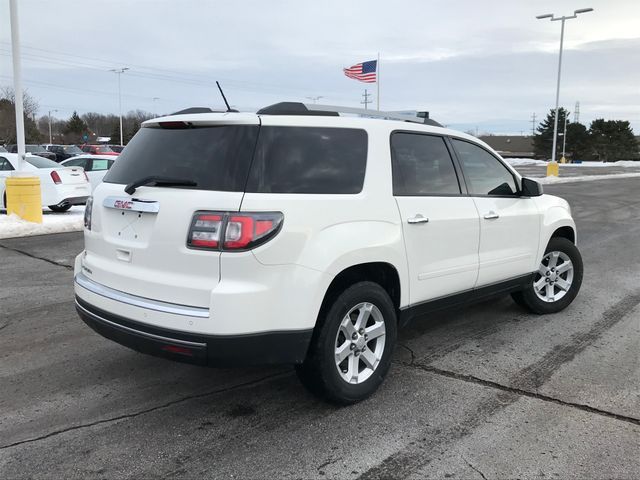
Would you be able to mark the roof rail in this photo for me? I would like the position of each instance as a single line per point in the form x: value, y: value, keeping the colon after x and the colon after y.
x: 299, y: 108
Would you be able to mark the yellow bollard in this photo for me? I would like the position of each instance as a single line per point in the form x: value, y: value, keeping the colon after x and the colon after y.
x: 553, y: 169
x: 24, y: 198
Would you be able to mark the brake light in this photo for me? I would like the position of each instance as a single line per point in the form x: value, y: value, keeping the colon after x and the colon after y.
x: 228, y: 231
x: 56, y: 178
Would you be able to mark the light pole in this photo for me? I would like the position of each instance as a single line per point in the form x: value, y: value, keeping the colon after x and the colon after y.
x: 50, y: 137
x: 315, y: 99
x: 119, y: 72
x: 561, y: 19
x: 564, y: 135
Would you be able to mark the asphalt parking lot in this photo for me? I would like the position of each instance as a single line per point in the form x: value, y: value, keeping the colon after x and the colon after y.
x: 487, y: 391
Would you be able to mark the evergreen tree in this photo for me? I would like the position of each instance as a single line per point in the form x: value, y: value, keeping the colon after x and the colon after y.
x: 74, y: 129
x: 543, y: 139
x: 578, y: 142
x: 613, y: 140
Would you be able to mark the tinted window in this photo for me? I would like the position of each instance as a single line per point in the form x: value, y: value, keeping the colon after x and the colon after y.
x: 76, y: 162
x: 99, y: 164
x: 484, y: 173
x: 4, y: 164
x: 215, y: 158
x: 70, y: 149
x: 308, y: 160
x: 422, y: 165
x: 34, y: 148
x: 41, y: 162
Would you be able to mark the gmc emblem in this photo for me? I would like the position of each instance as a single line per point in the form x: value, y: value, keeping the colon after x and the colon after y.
x: 123, y: 204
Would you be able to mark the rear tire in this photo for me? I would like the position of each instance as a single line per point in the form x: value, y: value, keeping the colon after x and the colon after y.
x: 350, y: 352
x: 557, y: 281
x: 58, y: 209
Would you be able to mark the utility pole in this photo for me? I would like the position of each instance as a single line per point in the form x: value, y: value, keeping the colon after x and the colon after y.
x: 564, y: 135
x: 50, y: 137
x: 366, y: 100
x: 533, y: 124
x: 119, y: 72
x: 17, y: 82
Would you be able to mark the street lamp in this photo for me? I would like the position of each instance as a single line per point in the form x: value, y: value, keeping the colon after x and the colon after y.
x: 564, y: 136
x: 119, y: 72
x: 50, y: 137
x: 561, y: 19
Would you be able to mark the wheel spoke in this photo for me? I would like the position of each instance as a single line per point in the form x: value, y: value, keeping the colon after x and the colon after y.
x: 553, y: 259
x: 343, y: 351
x: 363, y: 316
x: 369, y: 359
x: 347, y: 327
x: 563, y: 284
x: 565, y: 267
x: 352, y: 373
x: 539, y: 285
x: 549, y: 294
x: 376, y: 330
x: 542, y: 270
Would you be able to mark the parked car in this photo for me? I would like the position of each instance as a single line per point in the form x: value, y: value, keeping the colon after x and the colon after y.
x: 98, y: 150
x: 117, y: 148
x: 95, y: 166
x: 33, y: 149
x: 64, y: 152
x: 61, y: 187
x: 300, y: 236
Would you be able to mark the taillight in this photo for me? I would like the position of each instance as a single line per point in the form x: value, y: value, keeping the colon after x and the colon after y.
x: 87, y: 213
x: 56, y: 178
x: 228, y: 231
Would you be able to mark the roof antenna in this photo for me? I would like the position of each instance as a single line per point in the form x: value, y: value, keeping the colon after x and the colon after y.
x: 229, y: 109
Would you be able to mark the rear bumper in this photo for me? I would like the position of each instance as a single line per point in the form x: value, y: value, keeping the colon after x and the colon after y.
x: 288, y: 347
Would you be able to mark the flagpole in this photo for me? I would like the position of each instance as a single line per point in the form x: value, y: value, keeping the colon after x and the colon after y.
x: 378, y: 83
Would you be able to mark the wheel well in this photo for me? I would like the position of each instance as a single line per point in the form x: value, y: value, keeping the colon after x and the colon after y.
x: 565, y: 232
x: 384, y: 274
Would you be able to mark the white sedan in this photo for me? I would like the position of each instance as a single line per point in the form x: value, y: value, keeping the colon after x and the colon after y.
x: 95, y: 166
x: 61, y: 187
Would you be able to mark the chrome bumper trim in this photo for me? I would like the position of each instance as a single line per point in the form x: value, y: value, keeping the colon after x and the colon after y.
x: 139, y: 332
x: 142, y: 302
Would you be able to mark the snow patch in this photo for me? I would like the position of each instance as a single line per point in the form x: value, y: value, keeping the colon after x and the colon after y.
x: 69, y: 221
x: 530, y: 161
x: 524, y: 161
x: 584, y: 178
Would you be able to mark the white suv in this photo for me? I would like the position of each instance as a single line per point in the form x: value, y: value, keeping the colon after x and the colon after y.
x: 302, y: 236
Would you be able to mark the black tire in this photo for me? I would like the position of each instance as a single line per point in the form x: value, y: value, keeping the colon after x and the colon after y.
x: 319, y: 373
x: 58, y: 209
x: 528, y: 299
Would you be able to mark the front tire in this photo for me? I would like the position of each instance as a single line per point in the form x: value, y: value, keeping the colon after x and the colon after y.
x: 58, y: 209
x: 557, y: 281
x: 350, y: 352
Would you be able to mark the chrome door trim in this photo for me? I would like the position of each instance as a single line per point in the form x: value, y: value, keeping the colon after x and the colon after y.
x: 132, y: 204
x: 142, y: 302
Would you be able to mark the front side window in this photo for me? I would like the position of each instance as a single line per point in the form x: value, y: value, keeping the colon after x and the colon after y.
x: 308, y: 160
x: 421, y: 165
x: 484, y: 173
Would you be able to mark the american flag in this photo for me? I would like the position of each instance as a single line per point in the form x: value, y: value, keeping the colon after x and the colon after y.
x: 364, y: 72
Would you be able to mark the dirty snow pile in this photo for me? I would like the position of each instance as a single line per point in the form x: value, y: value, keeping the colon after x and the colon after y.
x: 69, y: 221
x: 517, y: 162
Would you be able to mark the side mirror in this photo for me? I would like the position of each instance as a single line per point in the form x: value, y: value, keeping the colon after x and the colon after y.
x: 530, y: 188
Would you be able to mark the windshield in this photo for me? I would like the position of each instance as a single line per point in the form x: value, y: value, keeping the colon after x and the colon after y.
x: 72, y: 149
x: 214, y: 158
x: 34, y: 148
x: 41, y: 162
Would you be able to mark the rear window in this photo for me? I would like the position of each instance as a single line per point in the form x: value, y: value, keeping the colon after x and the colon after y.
x: 309, y: 160
x: 41, y: 162
x: 215, y: 158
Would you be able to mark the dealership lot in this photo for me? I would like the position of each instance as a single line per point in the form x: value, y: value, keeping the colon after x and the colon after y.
x: 481, y: 392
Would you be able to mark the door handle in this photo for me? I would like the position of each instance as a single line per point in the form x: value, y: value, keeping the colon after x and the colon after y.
x: 417, y: 219
x: 491, y: 215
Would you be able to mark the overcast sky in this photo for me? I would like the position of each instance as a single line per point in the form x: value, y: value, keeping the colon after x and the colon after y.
x: 471, y: 63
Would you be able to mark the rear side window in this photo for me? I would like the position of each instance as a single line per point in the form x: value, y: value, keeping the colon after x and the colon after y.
x: 215, y: 158
x: 309, y: 160
x: 99, y: 164
x: 421, y: 165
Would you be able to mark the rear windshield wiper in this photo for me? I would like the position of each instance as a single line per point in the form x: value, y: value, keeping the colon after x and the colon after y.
x: 159, y: 180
